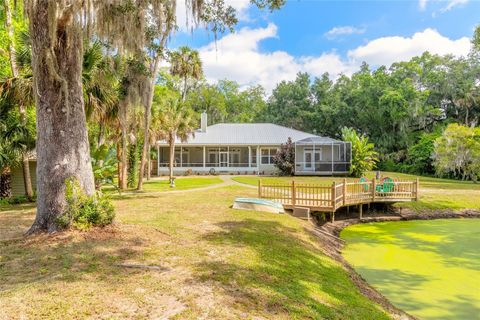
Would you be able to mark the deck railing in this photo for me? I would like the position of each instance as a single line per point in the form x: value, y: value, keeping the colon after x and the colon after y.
x: 329, y: 198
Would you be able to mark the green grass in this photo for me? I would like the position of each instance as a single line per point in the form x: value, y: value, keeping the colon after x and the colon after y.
x: 220, y: 263
x: 181, y: 183
x: 435, y: 193
x: 430, y: 269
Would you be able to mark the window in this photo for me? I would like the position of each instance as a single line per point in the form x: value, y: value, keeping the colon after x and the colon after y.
x: 267, y: 155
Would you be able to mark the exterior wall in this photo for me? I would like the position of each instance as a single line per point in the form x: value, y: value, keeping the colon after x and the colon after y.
x: 17, y: 185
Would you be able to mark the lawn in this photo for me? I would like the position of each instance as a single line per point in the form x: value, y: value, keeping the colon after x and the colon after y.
x: 430, y: 269
x: 435, y: 193
x: 181, y: 183
x: 210, y: 261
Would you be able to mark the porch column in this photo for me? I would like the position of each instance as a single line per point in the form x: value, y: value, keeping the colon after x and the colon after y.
x: 228, y: 156
x: 249, y: 156
x: 204, y: 156
x: 313, y: 158
x: 295, y: 159
x: 332, y: 157
x: 158, y: 160
x: 258, y: 159
x: 181, y: 157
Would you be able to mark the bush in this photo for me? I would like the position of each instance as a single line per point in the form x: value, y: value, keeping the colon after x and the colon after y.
x: 17, y: 200
x: 284, y: 160
x: 84, y: 211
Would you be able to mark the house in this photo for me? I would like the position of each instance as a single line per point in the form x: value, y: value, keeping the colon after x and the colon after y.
x: 249, y: 148
x: 17, y: 184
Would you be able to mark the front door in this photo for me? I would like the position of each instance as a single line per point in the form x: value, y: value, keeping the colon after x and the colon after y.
x: 223, y: 159
x: 311, y: 159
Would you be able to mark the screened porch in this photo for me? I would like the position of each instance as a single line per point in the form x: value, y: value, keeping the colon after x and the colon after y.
x: 198, y: 157
x: 322, y: 156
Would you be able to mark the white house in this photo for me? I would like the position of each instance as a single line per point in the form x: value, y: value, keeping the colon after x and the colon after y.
x: 249, y: 148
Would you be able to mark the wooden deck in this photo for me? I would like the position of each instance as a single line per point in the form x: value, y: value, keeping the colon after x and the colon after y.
x: 329, y: 198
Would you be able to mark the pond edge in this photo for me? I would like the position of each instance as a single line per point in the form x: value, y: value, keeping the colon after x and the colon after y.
x: 332, y: 245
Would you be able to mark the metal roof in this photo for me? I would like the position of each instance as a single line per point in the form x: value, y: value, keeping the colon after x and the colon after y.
x: 246, y: 134
x: 318, y: 140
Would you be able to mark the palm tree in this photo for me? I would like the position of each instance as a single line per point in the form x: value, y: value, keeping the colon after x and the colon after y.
x: 186, y: 64
x: 18, y: 90
x: 175, y: 121
x: 364, y: 155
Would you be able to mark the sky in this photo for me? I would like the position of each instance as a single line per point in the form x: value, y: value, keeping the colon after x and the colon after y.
x: 318, y: 36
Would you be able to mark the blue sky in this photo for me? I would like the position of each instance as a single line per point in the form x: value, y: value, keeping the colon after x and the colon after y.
x: 330, y: 36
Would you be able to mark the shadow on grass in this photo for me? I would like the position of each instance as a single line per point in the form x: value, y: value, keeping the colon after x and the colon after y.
x: 285, y: 275
x: 69, y: 257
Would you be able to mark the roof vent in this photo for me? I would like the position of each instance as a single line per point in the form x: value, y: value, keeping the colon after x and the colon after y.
x: 203, y: 121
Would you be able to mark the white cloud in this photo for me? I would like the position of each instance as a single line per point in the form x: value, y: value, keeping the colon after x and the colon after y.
x: 450, y: 4
x: 453, y: 3
x: 184, y: 20
x: 386, y: 50
x: 238, y: 57
x: 344, y: 30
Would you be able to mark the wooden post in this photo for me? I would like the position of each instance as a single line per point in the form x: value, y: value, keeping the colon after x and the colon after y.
x: 344, y: 191
x: 361, y: 209
x: 259, y: 188
x: 374, y: 187
x: 417, y: 185
x: 293, y: 193
x: 334, y: 189
x: 332, y: 216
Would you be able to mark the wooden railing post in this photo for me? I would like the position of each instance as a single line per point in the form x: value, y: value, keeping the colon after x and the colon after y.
x: 344, y: 191
x: 334, y: 195
x: 259, y: 188
x: 374, y: 188
x: 294, y: 192
x: 417, y: 185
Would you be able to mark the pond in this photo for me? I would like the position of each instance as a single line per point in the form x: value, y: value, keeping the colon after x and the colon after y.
x: 430, y: 269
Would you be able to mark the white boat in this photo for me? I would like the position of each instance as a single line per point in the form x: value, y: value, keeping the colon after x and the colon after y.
x: 258, y: 205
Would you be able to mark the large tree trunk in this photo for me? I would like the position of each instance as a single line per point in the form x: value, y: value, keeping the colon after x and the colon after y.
x: 62, y: 144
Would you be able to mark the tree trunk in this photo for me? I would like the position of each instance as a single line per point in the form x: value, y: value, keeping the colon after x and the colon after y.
x: 149, y: 165
x: 119, y: 165
x: 27, y: 178
x: 172, y: 158
x: 146, y: 138
x: 62, y: 143
x: 123, y: 165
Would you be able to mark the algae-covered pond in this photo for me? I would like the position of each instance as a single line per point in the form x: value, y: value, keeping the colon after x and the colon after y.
x: 430, y: 269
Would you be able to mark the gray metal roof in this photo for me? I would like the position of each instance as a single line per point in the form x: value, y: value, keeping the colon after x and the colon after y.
x: 317, y: 140
x: 246, y: 134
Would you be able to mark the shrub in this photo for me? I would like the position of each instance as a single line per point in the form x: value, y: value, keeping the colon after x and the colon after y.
x: 284, y: 160
x: 84, y: 211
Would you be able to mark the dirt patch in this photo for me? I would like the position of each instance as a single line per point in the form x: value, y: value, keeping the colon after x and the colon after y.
x: 328, y: 235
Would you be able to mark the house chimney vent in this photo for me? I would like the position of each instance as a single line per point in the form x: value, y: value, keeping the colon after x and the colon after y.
x: 203, y: 121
